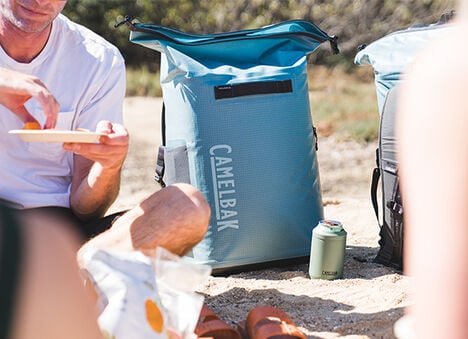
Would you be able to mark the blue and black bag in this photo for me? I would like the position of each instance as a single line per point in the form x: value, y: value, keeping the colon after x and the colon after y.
x: 237, y: 125
x: 390, y: 57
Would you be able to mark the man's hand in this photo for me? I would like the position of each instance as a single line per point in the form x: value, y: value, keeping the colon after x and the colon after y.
x: 17, y: 88
x: 111, y: 150
x: 96, y: 176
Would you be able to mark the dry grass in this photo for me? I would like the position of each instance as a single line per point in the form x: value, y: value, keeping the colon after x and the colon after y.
x: 142, y: 82
x: 344, y: 104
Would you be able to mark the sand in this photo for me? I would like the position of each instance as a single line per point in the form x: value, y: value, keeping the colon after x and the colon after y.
x: 364, y: 304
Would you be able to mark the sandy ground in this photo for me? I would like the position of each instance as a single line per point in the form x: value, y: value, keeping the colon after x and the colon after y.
x: 364, y: 304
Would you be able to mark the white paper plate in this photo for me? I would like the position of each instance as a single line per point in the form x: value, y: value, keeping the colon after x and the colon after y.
x: 55, y: 135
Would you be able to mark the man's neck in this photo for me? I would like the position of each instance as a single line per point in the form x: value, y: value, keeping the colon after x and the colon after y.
x: 22, y: 46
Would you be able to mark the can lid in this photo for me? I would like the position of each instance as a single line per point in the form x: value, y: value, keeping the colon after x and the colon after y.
x: 332, y: 225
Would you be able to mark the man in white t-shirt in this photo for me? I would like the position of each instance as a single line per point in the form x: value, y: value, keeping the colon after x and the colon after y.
x: 62, y: 75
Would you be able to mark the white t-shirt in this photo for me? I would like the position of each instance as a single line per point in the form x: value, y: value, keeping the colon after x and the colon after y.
x: 86, y: 74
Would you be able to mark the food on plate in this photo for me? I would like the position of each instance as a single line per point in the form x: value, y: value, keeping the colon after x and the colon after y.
x: 32, y: 125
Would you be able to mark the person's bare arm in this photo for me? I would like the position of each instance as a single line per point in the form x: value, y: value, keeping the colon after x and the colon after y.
x: 433, y: 150
x: 17, y: 88
x: 51, y: 301
x: 96, y: 178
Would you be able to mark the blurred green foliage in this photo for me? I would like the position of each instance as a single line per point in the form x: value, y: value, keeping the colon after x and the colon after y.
x: 355, y: 22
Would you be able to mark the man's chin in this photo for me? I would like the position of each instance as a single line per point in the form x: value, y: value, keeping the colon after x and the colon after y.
x: 30, y: 26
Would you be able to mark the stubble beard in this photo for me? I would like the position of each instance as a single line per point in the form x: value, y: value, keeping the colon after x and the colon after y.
x: 21, y: 24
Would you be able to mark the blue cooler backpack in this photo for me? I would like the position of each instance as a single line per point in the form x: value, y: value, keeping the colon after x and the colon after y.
x: 390, y: 57
x: 237, y: 125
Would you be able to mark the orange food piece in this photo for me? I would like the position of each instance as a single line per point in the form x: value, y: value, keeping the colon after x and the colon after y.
x: 154, y: 316
x: 32, y: 125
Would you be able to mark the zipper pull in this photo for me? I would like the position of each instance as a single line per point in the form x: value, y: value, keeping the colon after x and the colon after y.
x: 126, y: 21
x: 334, y: 44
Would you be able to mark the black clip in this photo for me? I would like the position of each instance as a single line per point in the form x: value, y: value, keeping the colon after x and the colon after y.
x: 334, y: 44
x: 361, y: 47
x: 446, y: 17
x: 316, y: 137
x: 126, y: 21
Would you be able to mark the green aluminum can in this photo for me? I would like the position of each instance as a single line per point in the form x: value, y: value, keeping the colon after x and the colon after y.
x: 327, y: 250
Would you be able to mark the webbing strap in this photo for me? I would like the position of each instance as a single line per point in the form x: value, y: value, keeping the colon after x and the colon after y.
x: 391, y: 233
x: 396, y: 205
x: 397, y: 224
x: 163, y: 124
x: 159, y: 169
x: 374, y: 185
x: 252, y: 88
x: 160, y: 166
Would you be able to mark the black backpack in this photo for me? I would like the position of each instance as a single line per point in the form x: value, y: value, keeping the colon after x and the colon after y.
x: 386, y: 172
x: 390, y: 56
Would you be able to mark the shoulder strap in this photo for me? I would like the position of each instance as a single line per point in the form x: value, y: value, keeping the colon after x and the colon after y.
x: 374, y: 185
x: 160, y: 166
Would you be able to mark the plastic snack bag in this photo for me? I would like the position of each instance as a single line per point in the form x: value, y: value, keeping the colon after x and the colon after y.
x: 143, y: 297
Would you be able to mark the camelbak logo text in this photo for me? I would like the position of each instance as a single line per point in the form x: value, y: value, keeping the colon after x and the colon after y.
x: 223, y: 187
x: 329, y: 272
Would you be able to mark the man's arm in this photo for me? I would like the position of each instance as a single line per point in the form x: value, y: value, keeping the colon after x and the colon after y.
x: 96, y: 169
x: 433, y: 151
x: 96, y: 178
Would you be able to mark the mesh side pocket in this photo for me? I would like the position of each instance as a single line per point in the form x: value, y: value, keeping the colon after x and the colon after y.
x: 176, y: 165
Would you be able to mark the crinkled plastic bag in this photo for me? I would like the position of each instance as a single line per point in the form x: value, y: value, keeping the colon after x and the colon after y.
x: 143, y: 297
